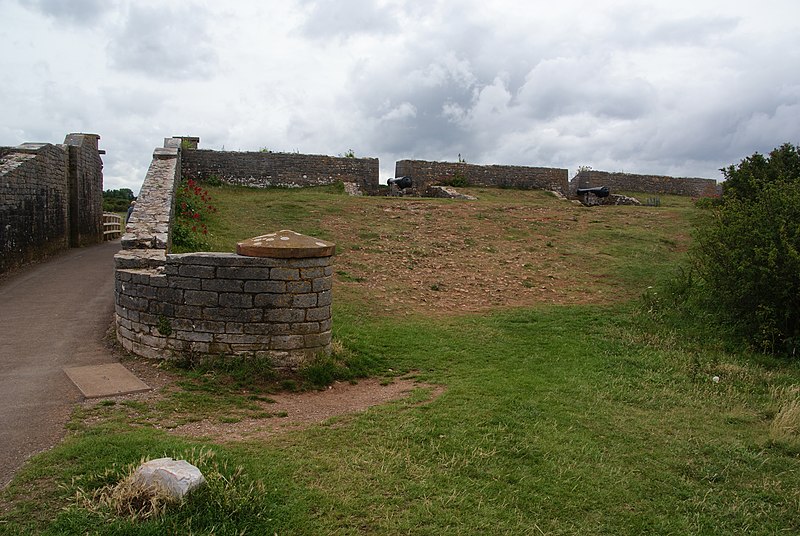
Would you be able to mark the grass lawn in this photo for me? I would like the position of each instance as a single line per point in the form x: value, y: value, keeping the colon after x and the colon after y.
x: 565, y: 409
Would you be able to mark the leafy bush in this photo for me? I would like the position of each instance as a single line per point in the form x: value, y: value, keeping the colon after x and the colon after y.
x: 193, y: 208
x: 748, y: 179
x: 744, y: 276
x: 458, y: 180
x: 748, y: 259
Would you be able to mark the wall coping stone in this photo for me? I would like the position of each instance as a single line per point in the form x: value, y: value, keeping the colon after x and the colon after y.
x: 285, y: 244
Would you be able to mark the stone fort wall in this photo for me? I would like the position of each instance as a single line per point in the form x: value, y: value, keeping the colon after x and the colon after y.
x: 265, y: 169
x: 425, y: 174
x: 652, y: 184
x: 51, y: 198
x: 207, y: 304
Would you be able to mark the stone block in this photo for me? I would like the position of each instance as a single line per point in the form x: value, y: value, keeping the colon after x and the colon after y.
x: 305, y: 300
x: 170, y: 295
x: 312, y: 273
x: 232, y: 315
x: 200, y: 272
x: 235, y: 300
x: 201, y: 297
x: 305, y: 328
x: 223, y: 285
x: 285, y: 274
x: 194, y: 336
x: 241, y: 272
x: 237, y: 338
x: 324, y: 298
x: 208, y: 326
x: 318, y: 314
x: 321, y: 283
x: 272, y: 300
x: 258, y: 328
x: 265, y: 286
x: 286, y: 316
x: 184, y: 283
x: 298, y: 287
x: 188, y: 311
x: 317, y: 339
x: 234, y: 327
x: 286, y: 342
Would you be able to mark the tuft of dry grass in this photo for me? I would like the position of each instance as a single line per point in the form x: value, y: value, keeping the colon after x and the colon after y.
x: 785, y: 426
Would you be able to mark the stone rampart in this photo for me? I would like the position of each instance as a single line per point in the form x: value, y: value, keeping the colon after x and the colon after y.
x: 651, y: 184
x: 425, y: 174
x: 50, y: 198
x: 265, y: 169
x: 266, y: 302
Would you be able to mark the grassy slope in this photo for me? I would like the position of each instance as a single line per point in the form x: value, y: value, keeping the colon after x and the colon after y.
x: 556, y: 420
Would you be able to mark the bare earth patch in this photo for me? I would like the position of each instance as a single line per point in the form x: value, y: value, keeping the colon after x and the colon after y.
x: 296, y: 411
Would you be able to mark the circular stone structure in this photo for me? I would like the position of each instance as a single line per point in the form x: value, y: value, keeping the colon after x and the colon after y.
x: 272, y: 298
x: 285, y: 244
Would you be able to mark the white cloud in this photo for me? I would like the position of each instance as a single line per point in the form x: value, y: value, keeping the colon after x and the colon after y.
x: 681, y: 87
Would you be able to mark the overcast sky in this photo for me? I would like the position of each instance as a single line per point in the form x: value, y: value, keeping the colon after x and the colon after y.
x: 666, y: 87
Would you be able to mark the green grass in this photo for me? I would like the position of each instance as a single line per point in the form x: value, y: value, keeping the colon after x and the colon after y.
x: 555, y: 419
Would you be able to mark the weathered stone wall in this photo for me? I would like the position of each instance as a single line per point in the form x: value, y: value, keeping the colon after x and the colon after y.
x: 216, y: 303
x: 213, y: 303
x: 148, y: 225
x: 34, y: 204
x: 51, y: 198
x: 652, y: 184
x: 85, y: 178
x: 263, y: 169
x: 425, y: 174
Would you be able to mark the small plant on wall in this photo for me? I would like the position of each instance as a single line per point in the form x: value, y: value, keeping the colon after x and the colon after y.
x: 193, y: 208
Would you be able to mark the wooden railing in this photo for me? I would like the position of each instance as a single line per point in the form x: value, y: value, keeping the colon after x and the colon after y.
x: 112, y: 226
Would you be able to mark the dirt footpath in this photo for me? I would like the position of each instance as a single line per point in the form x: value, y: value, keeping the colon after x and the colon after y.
x: 52, y: 315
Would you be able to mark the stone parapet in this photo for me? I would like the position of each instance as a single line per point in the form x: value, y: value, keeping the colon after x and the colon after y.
x: 651, y: 184
x: 425, y: 174
x: 290, y: 170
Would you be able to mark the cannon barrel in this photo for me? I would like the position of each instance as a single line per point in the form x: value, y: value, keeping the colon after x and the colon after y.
x: 401, y: 182
x: 599, y: 191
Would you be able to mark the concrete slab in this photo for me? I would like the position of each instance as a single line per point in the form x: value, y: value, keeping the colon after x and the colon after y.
x: 96, y: 381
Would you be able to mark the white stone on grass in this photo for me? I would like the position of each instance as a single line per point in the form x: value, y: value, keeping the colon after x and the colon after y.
x: 174, y: 477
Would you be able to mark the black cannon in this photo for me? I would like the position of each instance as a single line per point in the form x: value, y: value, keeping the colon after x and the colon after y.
x: 401, y: 182
x: 599, y: 191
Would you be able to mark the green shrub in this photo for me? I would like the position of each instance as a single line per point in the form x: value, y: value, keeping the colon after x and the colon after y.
x: 748, y: 258
x: 748, y: 179
x: 743, y: 282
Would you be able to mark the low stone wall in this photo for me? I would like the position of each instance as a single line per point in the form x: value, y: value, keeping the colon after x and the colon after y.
x: 200, y: 304
x: 652, y: 184
x: 216, y: 303
x: 265, y: 169
x: 50, y: 198
x: 425, y: 174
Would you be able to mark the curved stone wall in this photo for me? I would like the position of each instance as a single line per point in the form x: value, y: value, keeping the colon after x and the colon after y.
x: 217, y: 303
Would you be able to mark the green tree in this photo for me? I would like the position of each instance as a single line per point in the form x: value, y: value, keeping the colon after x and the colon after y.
x: 754, y: 172
x: 748, y: 254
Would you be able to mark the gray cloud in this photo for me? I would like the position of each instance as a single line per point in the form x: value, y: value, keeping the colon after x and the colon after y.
x: 77, y: 12
x: 638, y: 86
x: 164, y: 41
x: 344, y: 18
